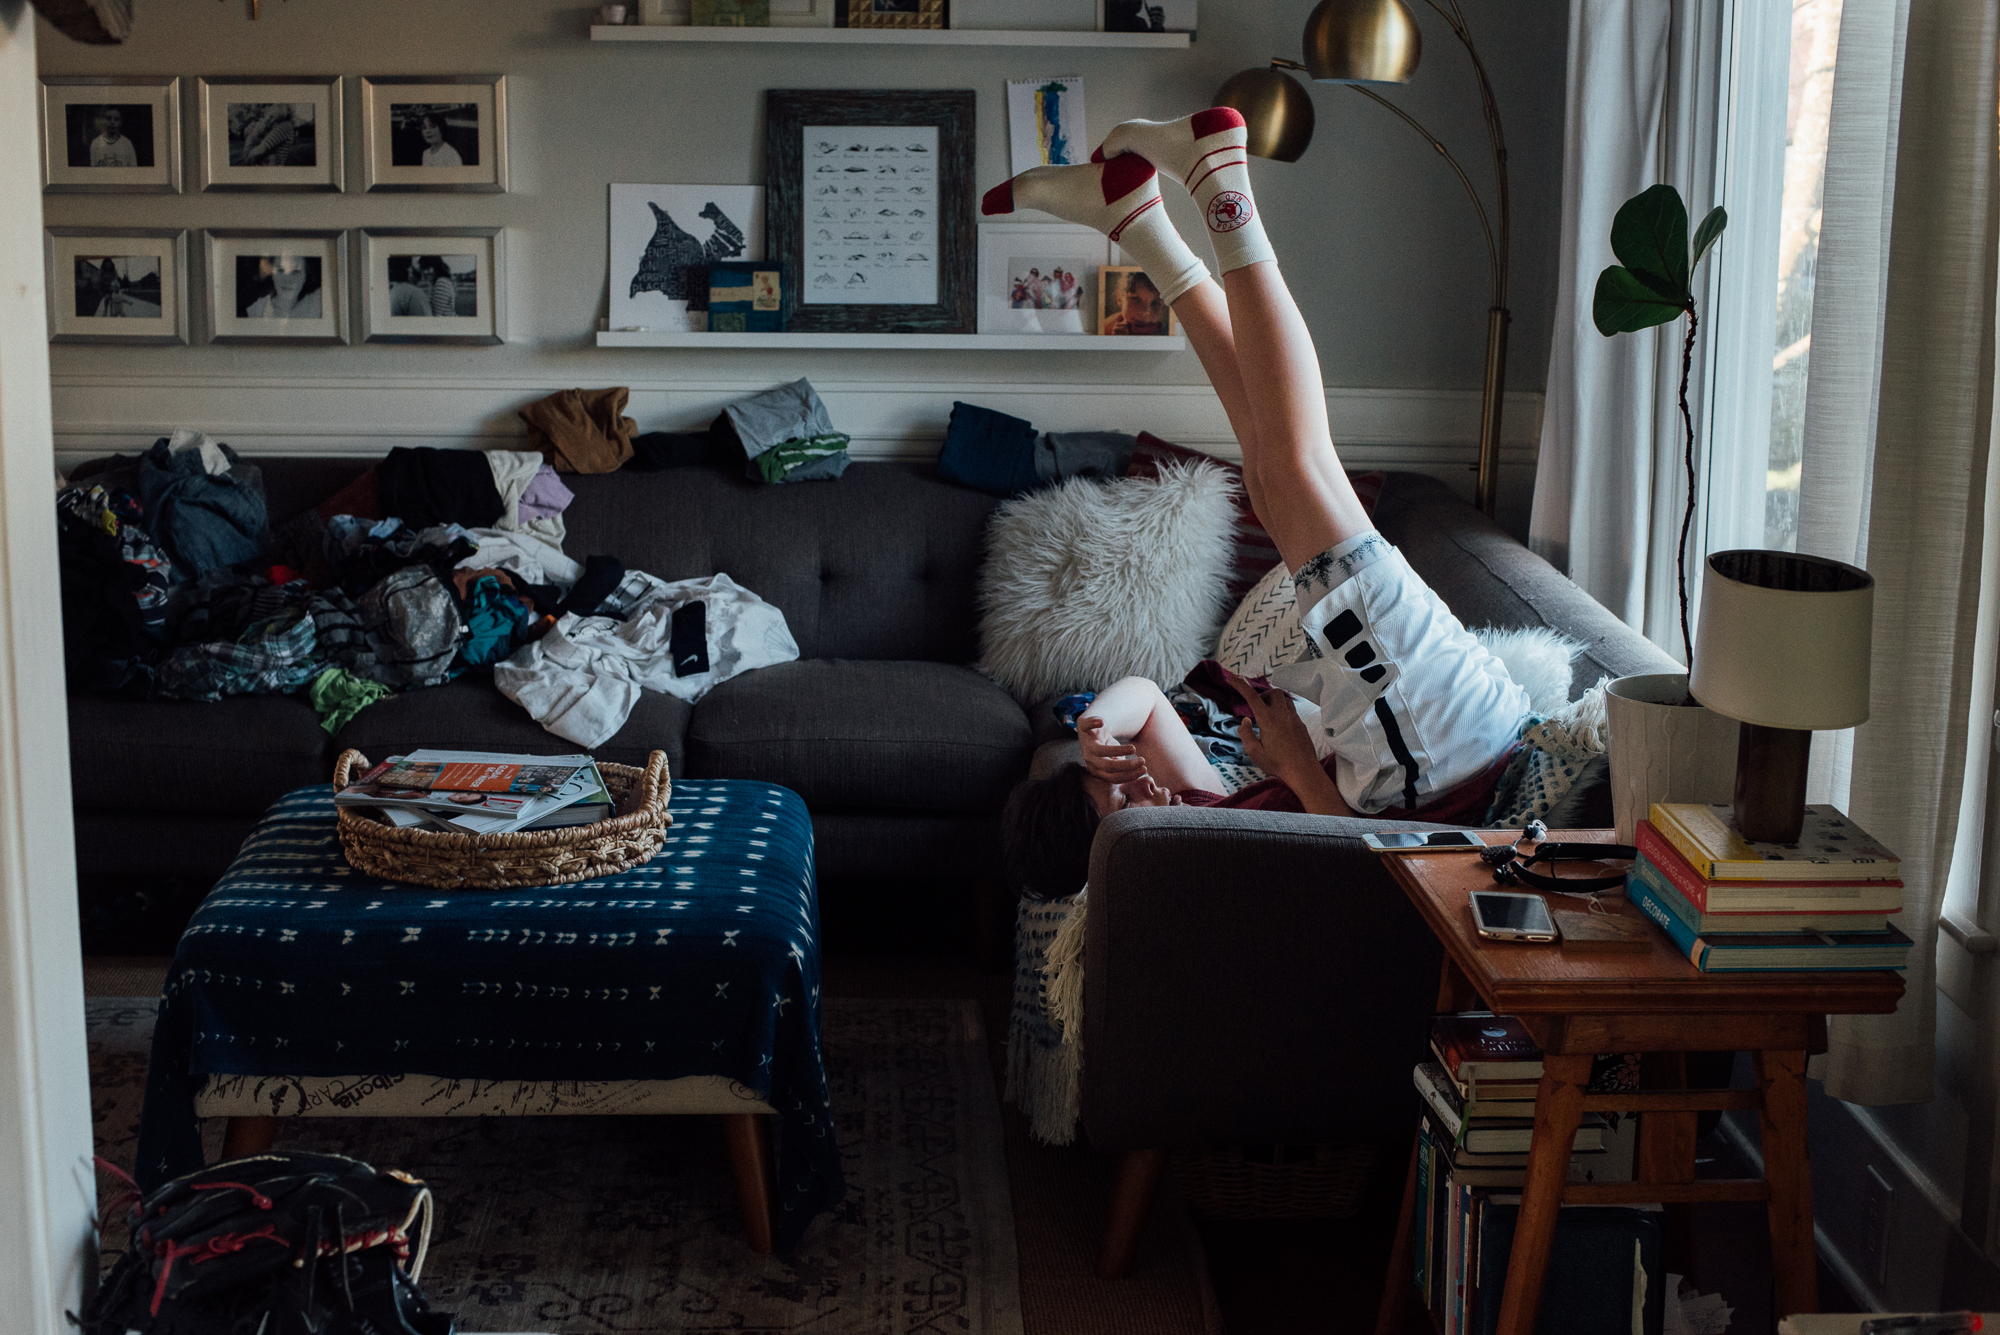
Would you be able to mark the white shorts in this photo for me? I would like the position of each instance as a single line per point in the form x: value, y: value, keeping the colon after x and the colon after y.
x: 1412, y: 703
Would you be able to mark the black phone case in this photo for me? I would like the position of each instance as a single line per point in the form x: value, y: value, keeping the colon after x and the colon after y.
x: 688, y: 642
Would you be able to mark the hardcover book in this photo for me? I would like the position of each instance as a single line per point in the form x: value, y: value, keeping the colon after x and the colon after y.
x: 1830, y: 847
x: 1749, y: 951
x: 1485, y: 1047
x: 1671, y: 877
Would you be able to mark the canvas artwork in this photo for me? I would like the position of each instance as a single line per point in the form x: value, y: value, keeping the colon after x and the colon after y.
x: 1045, y: 125
x: 664, y: 237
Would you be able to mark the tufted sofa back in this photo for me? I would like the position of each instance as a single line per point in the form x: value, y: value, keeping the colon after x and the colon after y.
x: 881, y: 564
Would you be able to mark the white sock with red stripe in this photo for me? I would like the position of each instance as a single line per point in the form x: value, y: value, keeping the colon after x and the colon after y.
x: 1120, y: 199
x: 1205, y: 153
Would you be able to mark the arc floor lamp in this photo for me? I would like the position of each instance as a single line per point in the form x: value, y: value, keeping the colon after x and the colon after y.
x: 1364, y: 42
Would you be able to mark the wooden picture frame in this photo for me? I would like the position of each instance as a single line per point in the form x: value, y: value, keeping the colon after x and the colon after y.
x: 260, y: 121
x: 942, y: 218
x: 73, y: 110
x: 92, y: 293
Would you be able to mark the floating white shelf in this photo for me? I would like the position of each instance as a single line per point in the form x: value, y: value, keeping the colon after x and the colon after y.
x: 915, y: 342
x: 1158, y: 41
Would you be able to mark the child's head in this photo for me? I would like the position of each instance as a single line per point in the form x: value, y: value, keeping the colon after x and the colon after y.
x: 1142, y: 305
x: 1046, y: 831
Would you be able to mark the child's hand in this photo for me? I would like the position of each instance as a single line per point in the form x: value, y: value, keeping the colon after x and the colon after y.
x: 1273, y: 737
x: 1104, y: 755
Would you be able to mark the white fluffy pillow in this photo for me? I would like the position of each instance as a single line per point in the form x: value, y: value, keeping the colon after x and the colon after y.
x: 1537, y: 659
x: 1087, y: 582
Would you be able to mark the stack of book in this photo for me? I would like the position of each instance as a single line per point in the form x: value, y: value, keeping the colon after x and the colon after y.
x: 482, y: 792
x: 1472, y: 1156
x: 1731, y: 905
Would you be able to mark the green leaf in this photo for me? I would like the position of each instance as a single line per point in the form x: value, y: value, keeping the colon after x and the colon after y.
x: 1625, y: 303
x: 1708, y: 234
x: 1649, y: 236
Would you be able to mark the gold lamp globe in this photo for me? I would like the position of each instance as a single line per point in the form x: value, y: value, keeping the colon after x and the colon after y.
x: 1277, y: 112
x: 1362, y: 41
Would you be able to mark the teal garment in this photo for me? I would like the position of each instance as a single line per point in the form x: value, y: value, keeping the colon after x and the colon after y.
x: 809, y: 458
x: 338, y: 695
x: 495, y: 620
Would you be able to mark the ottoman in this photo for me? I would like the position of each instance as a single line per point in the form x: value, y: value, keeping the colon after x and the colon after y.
x: 689, y: 985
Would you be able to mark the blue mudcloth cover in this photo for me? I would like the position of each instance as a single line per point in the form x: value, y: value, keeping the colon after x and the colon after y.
x: 704, y: 961
x: 989, y: 451
x: 203, y: 521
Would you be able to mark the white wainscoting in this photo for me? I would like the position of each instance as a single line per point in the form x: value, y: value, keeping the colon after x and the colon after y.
x: 1430, y: 431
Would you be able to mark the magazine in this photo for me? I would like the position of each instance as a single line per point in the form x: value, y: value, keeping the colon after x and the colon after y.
x: 519, y: 790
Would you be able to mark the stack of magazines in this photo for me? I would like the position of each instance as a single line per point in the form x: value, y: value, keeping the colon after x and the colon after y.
x: 482, y: 792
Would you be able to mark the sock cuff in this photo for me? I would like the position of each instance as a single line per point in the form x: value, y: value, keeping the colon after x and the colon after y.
x: 1174, y: 287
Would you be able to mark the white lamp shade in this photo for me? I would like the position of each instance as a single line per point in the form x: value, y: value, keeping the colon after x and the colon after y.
x: 1784, y: 641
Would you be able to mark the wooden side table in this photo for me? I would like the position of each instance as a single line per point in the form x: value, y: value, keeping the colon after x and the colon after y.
x: 1577, y: 1005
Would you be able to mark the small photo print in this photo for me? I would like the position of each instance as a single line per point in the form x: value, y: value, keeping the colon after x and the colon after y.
x: 434, y: 134
x: 1130, y: 302
x: 430, y: 286
x: 1149, y: 15
x: 1043, y: 285
x: 118, y: 287
x: 273, y: 134
x: 109, y: 134
x: 278, y: 287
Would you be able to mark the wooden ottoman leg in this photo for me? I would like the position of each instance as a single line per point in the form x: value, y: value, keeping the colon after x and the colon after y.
x: 1131, y: 1202
x: 245, y: 1136
x: 750, y: 1159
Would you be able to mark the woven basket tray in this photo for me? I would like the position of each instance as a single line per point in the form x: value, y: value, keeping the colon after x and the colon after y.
x: 530, y: 857
x: 1274, y: 1182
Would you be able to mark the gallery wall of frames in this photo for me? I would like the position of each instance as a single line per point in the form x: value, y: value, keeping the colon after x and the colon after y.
x: 245, y: 135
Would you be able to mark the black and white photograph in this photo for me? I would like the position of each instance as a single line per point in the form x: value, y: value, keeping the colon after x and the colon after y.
x: 273, y: 134
x: 281, y: 286
x: 447, y: 133
x: 1038, y: 278
x: 434, y: 134
x: 116, y: 285
x: 278, y: 287
x: 110, y: 134
x: 426, y: 286
x: 430, y: 285
x: 268, y: 134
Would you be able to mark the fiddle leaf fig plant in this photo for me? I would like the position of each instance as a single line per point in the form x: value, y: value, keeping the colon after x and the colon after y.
x: 1650, y: 285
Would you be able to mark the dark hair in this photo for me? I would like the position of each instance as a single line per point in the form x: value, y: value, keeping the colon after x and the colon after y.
x: 1046, y: 831
x: 1133, y: 280
x: 433, y: 118
x: 435, y: 263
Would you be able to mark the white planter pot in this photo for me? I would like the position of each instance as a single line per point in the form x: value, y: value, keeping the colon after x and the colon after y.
x: 1665, y: 752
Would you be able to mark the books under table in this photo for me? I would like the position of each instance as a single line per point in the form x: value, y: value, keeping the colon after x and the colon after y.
x: 482, y: 792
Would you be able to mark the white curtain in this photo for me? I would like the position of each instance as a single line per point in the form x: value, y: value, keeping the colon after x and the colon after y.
x: 1594, y: 472
x: 1897, y: 442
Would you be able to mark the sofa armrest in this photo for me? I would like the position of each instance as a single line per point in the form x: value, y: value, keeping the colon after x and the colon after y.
x: 1250, y: 978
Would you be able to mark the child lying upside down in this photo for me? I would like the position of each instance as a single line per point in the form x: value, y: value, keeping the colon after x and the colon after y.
x: 1421, y: 717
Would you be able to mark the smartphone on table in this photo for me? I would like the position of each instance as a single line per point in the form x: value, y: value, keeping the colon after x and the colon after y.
x: 1423, y: 841
x: 1504, y: 916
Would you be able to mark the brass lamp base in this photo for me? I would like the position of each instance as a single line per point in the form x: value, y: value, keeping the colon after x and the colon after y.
x: 1771, y: 782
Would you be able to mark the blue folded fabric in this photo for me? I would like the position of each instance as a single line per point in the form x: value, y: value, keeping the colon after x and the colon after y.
x: 989, y: 451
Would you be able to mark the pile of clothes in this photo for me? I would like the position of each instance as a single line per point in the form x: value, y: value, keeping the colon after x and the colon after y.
x: 431, y: 564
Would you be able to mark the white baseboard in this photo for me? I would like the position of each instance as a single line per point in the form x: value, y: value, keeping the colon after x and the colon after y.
x: 1431, y: 431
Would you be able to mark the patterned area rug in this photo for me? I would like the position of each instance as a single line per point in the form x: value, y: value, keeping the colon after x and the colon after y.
x: 609, y: 1225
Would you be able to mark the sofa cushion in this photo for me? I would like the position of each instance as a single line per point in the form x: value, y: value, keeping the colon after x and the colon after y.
x: 471, y: 715
x: 230, y: 757
x: 884, y: 736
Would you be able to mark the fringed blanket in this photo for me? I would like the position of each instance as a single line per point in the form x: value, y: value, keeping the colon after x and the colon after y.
x: 1045, y: 1037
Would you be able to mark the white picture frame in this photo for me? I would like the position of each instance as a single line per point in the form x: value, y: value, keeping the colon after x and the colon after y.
x: 246, y: 295
x: 140, y: 157
x: 784, y: 13
x: 280, y: 134
x: 1038, y: 249
x: 464, y: 266
x: 469, y: 152
x: 117, y: 284
x: 643, y: 295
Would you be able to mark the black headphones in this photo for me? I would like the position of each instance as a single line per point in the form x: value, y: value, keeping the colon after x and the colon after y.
x: 1512, y: 865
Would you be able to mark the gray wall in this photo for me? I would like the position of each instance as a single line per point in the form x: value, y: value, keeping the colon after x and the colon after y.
x: 1375, y: 233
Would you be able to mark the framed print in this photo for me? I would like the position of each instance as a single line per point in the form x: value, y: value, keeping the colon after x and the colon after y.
x: 870, y: 206
x: 897, y: 14
x: 447, y: 133
x: 268, y: 134
x: 117, y: 284
x: 664, y: 237
x: 274, y: 286
x: 1033, y: 15
x: 784, y: 13
x: 431, y: 284
x: 1039, y: 279
x: 105, y: 135
x: 1129, y: 303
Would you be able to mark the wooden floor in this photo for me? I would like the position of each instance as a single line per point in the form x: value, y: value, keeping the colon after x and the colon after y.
x: 1268, y: 1277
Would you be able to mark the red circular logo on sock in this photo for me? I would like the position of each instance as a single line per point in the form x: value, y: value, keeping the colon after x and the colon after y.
x: 1229, y: 211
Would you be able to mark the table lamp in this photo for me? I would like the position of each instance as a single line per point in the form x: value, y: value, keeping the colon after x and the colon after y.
x: 1784, y: 647
x: 1362, y: 42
